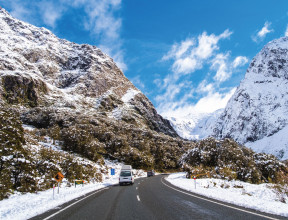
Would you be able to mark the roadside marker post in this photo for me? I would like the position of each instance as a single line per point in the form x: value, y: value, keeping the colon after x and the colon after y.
x: 194, y: 177
x: 53, y: 190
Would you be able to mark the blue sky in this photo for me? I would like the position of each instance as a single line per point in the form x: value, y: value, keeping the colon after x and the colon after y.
x: 185, y: 56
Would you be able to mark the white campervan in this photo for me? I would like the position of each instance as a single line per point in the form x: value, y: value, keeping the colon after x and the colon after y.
x: 126, y: 175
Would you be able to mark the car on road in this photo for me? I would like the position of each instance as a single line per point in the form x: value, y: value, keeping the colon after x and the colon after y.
x: 126, y: 175
x: 150, y: 173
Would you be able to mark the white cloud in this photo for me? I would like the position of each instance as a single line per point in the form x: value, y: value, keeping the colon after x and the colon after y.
x: 189, y: 56
x: 179, y: 50
x: 207, y: 104
x: 219, y: 63
x: 205, y: 87
x: 102, y: 19
x: 263, y: 32
x: 174, y: 102
x: 208, y: 44
x: 172, y: 90
x: 224, y: 67
x: 138, y: 82
x: 19, y: 12
x: 186, y: 65
x: 286, y: 32
x: 35, y: 12
x: 50, y: 12
x: 213, y: 102
x: 239, y: 61
x: 115, y: 51
x: 158, y: 82
x: 177, y: 94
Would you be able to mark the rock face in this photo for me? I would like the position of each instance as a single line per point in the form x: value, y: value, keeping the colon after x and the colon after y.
x: 259, y: 107
x: 37, y: 69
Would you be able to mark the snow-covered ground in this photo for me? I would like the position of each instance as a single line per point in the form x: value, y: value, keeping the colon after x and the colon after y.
x: 276, y: 144
x: 129, y: 95
x: 25, y: 206
x: 262, y: 197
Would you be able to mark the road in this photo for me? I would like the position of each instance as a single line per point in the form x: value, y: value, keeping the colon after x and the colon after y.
x: 149, y: 198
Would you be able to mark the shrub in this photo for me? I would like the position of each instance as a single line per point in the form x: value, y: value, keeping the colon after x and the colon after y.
x: 226, y: 159
x: 16, y: 168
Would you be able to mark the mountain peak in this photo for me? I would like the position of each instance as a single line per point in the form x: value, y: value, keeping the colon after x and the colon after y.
x: 259, y: 107
x: 4, y: 12
x: 271, y: 61
x: 278, y: 43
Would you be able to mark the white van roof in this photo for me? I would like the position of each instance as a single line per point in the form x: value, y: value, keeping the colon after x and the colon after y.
x: 126, y: 167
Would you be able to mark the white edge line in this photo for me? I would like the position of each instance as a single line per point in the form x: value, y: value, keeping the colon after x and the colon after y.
x: 138, y: 198
x: 219, y: 202
x: 56, y: 213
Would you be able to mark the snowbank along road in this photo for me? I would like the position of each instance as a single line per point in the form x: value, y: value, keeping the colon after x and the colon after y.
x: 149, y: 198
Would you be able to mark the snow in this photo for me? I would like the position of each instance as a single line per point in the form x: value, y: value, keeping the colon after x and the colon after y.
x: 276, y: 144
x: 129, y: 95
x: 262, y: 197
x: 25, y: 206
x: 6, y: 158
x: 28, y: 127
x: 117, y: 113
x: 195, y: 125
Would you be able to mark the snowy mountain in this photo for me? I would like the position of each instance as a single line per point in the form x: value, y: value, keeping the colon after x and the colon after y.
x: 39, y: 69
x: 195, y: 126
x: 257, y: 114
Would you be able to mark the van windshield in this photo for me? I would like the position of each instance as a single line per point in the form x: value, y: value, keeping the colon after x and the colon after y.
x: 125, y: 173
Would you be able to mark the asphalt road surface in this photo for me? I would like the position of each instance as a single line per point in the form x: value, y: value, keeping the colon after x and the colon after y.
x: 149, y: 198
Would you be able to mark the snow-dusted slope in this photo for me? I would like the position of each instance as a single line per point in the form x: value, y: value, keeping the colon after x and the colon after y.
x: 39, y: 69
x: 276, y: 144
x: 196, y: 125
x: 259, y: 107
x: 65, y: 67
